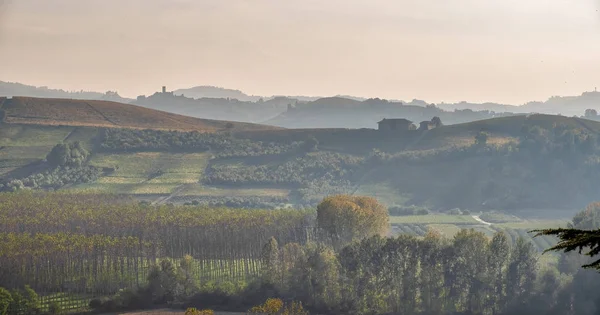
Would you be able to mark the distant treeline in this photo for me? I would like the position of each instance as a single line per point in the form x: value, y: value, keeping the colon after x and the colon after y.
x: 220, y: 144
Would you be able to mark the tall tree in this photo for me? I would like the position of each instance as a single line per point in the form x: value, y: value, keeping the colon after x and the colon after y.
x: 348, y: 218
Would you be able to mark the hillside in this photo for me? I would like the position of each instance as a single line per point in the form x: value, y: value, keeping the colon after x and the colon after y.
x: 514, y: 168
x: 43, y: 111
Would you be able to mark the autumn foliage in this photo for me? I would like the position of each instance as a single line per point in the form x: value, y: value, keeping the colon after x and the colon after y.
x: 194, y: 311
x: 350, y: 218
x: 278, y: 307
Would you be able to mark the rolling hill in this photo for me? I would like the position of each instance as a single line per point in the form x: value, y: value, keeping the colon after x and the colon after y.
x: 534, y: 162
x: 339, y: 112
x: 92, y: 113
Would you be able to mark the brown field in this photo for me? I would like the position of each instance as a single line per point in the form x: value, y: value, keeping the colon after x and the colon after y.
x: 45, y: 111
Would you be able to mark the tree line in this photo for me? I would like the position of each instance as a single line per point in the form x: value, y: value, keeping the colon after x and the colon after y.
x: 221, y: 144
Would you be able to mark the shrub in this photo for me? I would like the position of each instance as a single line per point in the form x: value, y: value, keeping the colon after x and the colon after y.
x: 194, y: 311
x: 455, y: 211
x: 278, y: 307
x: 95, y: 304
x: 54, y: 309
x: 5, y: 301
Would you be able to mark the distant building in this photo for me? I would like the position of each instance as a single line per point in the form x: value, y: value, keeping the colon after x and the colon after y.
x: 395, y: 124
x: 164, y: 89
x: 426, y: 125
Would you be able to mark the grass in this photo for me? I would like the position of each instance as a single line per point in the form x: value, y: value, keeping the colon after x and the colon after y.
x: 200, y: 190
x: 534, y: 224
x: 143, y: 165
x: 433, y: 219
x: 148, y: 173
x: 32, y: 136
x: 383, y: 192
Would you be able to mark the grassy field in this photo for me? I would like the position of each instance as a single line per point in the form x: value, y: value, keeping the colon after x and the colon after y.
x: 449, y: 225
x: 148, y: 173
x: 32, y: 136
x: 433, y: 219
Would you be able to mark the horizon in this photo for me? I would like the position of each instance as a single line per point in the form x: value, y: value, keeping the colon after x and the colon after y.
x: 402, y: 50
x: 291, y: 96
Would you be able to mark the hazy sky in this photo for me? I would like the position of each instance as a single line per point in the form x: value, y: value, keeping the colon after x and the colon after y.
x: 508, y: 51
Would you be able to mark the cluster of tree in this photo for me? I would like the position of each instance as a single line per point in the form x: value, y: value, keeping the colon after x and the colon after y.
x: 65, y: 165
x: 251, y: 202
x: 54, y: 178
x: 71, y: 154
x: 406, y: 275
x: 220, y: 144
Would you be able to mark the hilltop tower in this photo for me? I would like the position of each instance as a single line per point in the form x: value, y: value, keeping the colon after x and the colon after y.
x: 164, y: 89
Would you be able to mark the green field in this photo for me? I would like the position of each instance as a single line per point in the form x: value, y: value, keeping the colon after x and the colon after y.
x: 449, y: 225
x: 148, y: 173
x: 433, y: 219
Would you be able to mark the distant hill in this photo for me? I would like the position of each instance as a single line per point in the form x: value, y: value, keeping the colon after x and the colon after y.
x: 217, y: 108
x: 47, y: 111
x: 215, y: 92
x: 338, y: 112
x: 564, y: 105
x: 9, y: 89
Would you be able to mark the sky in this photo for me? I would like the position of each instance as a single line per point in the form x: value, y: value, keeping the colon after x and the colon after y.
x: 507, y: 51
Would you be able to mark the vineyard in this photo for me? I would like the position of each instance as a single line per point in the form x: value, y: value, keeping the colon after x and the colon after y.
x: 90, y: 245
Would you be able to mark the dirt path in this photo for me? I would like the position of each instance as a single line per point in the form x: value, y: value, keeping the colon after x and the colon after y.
x: 478, y: 219
x: 164, y: 199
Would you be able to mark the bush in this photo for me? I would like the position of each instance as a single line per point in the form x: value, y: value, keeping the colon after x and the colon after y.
x: 54, y: 309
x: 25, y: 301
x: 194, y: 311
x: 277, y: 306
x: 95, y: 304
x: 5, y: 301
x: 455, y: 211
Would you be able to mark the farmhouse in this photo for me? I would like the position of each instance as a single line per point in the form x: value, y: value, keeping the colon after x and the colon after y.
x: 395, y: 124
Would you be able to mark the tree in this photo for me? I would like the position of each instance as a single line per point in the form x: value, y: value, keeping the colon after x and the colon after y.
x: 436, y: 121
x: 590, y: 113
x: 69, y: 154
x: 270, y: 262
x: 582, y: 234
x: 521, y: 273
x: 311, y: 144
x: 348, y: 218
x: 575, y: 240
x: 481, y: 139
